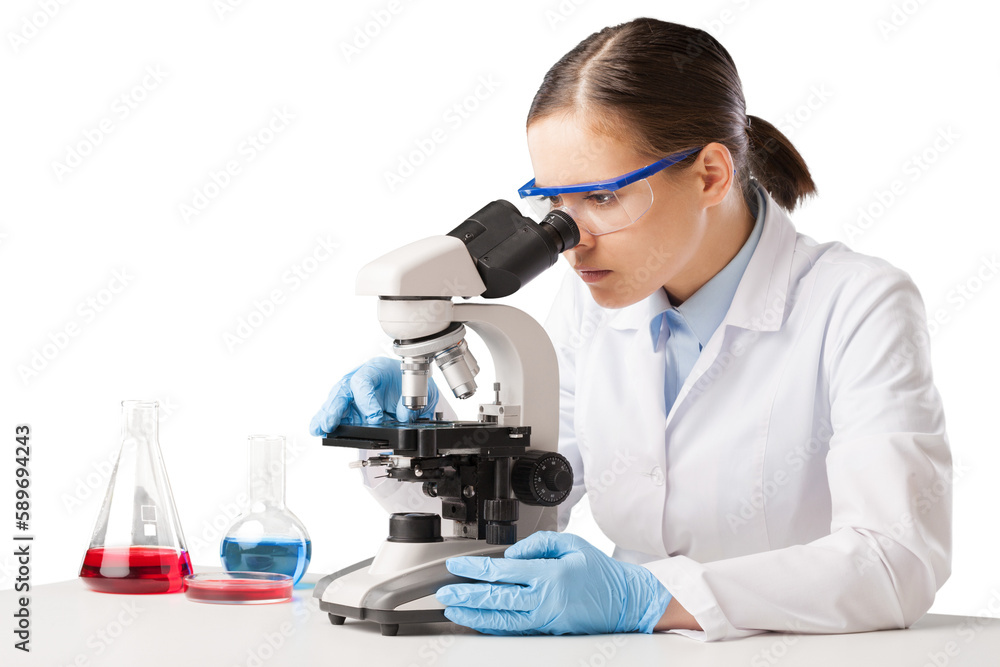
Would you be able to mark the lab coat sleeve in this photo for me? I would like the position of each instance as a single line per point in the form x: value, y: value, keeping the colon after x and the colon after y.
x: 563, y: 325
x: 890, y: 477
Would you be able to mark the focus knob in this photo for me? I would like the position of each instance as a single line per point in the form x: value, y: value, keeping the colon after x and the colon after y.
x: 500, y: 509
x: 541, y: 478
x: 558, y: 479
x: 501, y: 533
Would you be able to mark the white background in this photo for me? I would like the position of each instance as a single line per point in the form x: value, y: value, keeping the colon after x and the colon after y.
x: 860, y: 87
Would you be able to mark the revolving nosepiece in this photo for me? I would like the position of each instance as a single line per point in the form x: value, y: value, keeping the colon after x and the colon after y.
x: 450, y: 352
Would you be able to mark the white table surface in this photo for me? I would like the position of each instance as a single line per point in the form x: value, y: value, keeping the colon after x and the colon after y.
x: 72, y: 625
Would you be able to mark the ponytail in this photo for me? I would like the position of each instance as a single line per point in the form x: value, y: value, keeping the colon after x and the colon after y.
x: 776, y: 164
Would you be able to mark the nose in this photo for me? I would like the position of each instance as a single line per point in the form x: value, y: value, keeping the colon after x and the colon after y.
x: 587, y: 239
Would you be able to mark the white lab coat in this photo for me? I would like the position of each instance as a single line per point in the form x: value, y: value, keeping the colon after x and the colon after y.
x: 802, y: 479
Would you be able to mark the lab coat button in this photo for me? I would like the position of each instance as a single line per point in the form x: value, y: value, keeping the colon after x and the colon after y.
x: 656, y: 475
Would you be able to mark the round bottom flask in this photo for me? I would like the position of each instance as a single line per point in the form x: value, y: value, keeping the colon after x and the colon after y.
x: 268, y: 537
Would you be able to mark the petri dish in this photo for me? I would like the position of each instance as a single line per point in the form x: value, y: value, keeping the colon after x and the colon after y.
x: 238, y: 587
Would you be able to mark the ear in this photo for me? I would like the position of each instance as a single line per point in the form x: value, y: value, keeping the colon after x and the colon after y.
x: 715, y: 170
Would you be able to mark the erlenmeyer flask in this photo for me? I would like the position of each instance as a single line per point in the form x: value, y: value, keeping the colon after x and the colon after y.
x: 137, y: 545
x: 268, y: 537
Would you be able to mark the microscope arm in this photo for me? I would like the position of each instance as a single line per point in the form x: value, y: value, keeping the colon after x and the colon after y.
x: 528, y: 373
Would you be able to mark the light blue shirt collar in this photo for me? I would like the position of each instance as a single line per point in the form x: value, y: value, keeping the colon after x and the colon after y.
x: 704, y: 310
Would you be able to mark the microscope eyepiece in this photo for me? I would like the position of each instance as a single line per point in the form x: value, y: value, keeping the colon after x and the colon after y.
x: 510, y: 249
x: 562, y: 228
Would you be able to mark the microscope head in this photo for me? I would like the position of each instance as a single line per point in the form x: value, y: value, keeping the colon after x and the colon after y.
x: 415, y: 285
x: 492, y: 254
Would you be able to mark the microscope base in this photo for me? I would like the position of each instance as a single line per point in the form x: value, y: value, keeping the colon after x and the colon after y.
x: 397, y: 586
x: 389, y: 621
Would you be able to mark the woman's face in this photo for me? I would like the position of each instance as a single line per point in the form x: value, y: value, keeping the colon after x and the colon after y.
x: 671, y: 245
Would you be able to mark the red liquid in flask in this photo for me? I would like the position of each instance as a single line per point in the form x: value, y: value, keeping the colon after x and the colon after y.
x: 136, y: 570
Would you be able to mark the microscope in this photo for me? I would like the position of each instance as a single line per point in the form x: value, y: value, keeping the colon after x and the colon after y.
x: 498, y: 478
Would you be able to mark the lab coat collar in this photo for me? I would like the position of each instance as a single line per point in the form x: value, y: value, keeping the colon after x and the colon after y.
x: 759, y: 301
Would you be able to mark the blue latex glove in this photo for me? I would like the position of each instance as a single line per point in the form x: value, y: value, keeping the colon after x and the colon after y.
x: 553, y: 583
x: 367, y: 395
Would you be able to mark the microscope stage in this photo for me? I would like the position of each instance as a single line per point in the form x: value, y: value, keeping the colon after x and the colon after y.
x: 433, y: 438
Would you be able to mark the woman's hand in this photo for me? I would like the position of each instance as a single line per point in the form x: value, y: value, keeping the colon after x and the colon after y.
x: 553, y: 583
x: 367, y: 394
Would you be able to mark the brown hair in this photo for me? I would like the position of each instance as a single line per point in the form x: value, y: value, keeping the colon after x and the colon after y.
x: 664, y: 88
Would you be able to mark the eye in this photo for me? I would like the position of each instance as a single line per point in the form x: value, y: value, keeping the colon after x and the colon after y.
x: 553, y: 201
x: 601, y: 199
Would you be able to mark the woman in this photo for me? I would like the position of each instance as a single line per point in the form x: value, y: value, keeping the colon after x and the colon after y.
x: 752, y: 413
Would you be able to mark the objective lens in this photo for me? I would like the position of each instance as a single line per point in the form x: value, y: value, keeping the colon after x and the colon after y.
x: 459, y: 368
x: 416, y: 370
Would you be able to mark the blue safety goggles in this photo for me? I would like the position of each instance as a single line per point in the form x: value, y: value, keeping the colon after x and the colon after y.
x: 610, y: 204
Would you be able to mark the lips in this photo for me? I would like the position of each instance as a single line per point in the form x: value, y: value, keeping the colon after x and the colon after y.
x: 590, y: 274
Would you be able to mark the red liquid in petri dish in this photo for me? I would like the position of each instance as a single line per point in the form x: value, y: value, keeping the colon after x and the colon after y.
x: 237, y: 591
x: 136, y: 570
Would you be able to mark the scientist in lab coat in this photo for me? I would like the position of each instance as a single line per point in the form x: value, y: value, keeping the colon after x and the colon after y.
x: 751, y: 413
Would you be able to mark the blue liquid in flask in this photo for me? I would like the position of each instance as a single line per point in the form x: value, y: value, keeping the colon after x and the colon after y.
x: 268, y: 537
x: 280, y: 556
